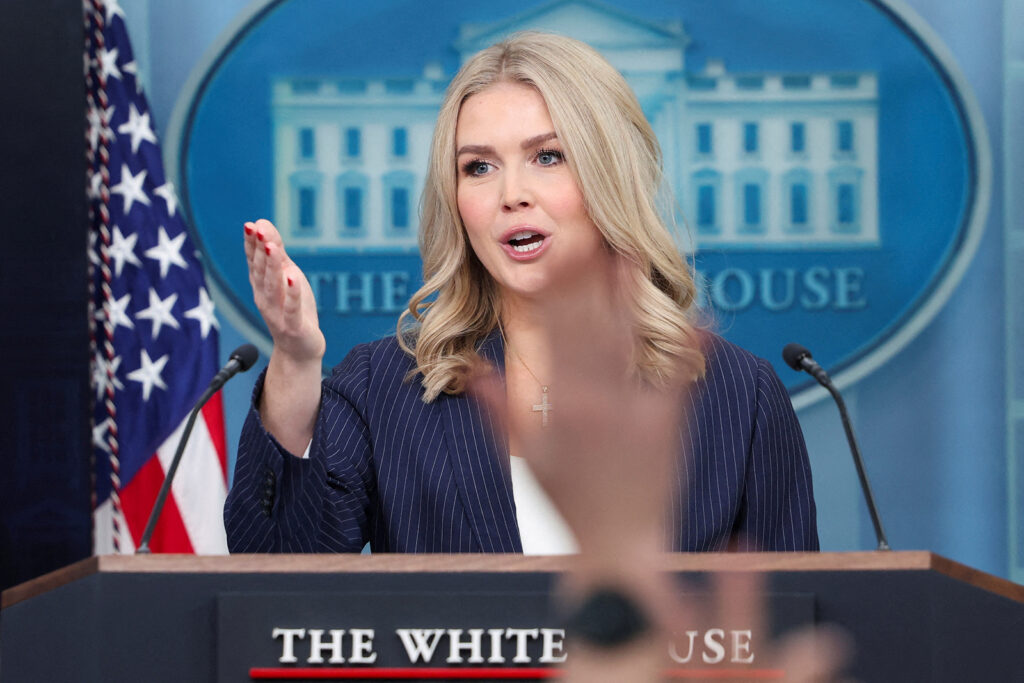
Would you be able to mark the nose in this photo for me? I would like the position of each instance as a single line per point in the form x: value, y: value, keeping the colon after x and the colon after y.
x: 516, y: 193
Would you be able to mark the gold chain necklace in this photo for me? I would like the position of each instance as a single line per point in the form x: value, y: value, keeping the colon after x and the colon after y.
x: 545, y: 406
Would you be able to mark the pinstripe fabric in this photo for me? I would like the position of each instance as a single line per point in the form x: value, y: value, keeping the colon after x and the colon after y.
x: 407, y: 476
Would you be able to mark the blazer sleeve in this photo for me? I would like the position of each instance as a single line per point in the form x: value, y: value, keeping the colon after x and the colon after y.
x: 283, y: 503
x: 778, y: 511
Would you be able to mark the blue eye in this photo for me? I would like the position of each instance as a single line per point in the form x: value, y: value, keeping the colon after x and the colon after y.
x: 548, y: 157
x: 476, y: 167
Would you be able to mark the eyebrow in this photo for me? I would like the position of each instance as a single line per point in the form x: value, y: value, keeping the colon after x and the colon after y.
x: 538, y: 139
x: 525, y: 144
x: 483, y: 150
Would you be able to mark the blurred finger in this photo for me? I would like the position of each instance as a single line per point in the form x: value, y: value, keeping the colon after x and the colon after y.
x: 669, y: 604
x: 814, y: 654
x: 486, y: 386
x: 741, y: 603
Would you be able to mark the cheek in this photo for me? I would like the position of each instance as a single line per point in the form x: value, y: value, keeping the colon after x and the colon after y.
x: 473, y: 208
x: 565, y: 201
x: 472, y: 212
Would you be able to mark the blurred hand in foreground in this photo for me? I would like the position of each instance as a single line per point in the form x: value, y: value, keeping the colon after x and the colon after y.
x: 608, y: 460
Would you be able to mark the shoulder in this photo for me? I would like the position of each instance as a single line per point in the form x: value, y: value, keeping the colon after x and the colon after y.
x: 736, y: 378
x: 379, y: 366
x: 727, y: 364
x: 379, y: 355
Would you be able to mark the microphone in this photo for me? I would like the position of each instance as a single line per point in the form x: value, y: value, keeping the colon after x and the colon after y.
x: 241, y: 359
x: 800, y: 359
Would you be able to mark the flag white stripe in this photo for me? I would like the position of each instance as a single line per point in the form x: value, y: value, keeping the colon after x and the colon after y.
x: 198, y: 489
x: 103, y: 531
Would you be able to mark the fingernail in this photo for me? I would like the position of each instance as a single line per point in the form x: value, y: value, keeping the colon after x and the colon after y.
x: 291, y: 282
x: 259, y: 236
x: 266, y: 248
x: 248, y: 228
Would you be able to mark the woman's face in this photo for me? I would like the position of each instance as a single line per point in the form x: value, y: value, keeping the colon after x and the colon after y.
x: 523, y: 211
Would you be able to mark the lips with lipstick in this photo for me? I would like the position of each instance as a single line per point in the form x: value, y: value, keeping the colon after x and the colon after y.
x: 525, y: 243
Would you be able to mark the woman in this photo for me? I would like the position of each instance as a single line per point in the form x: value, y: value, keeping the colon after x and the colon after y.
x: 543, y: 250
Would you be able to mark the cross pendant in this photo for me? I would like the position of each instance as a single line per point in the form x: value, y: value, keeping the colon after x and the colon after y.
x: 544, y: 407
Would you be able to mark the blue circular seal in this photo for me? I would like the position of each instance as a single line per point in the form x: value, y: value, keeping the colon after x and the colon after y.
x: 830, y: 163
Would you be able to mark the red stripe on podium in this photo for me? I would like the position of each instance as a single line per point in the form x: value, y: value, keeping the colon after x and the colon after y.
x: 491, y: 674
x: 407, y: 674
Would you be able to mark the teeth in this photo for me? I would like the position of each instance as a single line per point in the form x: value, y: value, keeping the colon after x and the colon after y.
x: 521, y: 248
x: 526, y: 241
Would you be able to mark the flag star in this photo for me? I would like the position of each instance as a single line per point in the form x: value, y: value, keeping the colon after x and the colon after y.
x: 159, y: 312
x: 167, y: 251
x: 130, y: 188
x: 108, y: 64
x: 132, y: 69
x: 102, y: 379
x: 148, y: 373
x: 113, y: 9
x: 122, y: 250
x: 115, y: 310
x: 204, y: 313
x: 167, y: 192
x: 138, y: 127
x: 99, y: 435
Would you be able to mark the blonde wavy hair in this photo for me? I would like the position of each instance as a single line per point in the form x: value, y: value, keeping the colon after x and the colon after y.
x: 614, y: 155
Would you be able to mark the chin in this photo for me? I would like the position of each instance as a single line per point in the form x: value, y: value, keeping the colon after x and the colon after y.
x: 526, y: 289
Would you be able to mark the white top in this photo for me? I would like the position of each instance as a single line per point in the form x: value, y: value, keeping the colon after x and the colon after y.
x: 541, y: 527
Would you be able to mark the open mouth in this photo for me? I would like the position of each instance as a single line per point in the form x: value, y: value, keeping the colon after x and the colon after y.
x: 526, y: 241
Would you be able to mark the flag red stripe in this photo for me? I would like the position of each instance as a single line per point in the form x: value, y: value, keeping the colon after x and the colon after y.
x: 213, y: 414
x: 137, y: 498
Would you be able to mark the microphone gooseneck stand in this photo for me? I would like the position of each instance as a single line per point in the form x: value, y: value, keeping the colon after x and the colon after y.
x: 241, y: 360
x: 800, y: 359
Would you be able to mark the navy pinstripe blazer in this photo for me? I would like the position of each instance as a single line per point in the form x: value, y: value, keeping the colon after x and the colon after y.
x: 408, y: 476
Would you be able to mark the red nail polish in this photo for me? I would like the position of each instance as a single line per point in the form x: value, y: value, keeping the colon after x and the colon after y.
x: 266, y: 248
x: 259, y: 236
x: 291, y: 282
x: 248, y: 229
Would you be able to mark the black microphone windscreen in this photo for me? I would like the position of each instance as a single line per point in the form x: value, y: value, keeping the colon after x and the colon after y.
x: 246, y: 355
x: 793, y: 353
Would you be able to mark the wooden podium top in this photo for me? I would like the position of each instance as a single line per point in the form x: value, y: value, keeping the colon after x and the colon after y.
x: 916, y: 560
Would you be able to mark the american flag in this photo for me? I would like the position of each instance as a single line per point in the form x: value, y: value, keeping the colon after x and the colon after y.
x: 154, y: 330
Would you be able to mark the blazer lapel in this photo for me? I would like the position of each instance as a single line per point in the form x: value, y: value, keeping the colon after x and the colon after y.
x: 478, y: 450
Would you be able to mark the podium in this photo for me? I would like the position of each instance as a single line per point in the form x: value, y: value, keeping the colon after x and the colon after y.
x: 913, y: 616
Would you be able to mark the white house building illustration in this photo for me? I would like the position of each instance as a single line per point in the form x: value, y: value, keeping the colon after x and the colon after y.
x: 755, y: 160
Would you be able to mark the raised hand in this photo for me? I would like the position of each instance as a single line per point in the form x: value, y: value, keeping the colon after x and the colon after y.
x: 291, y: 391
x: 282, y: 294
